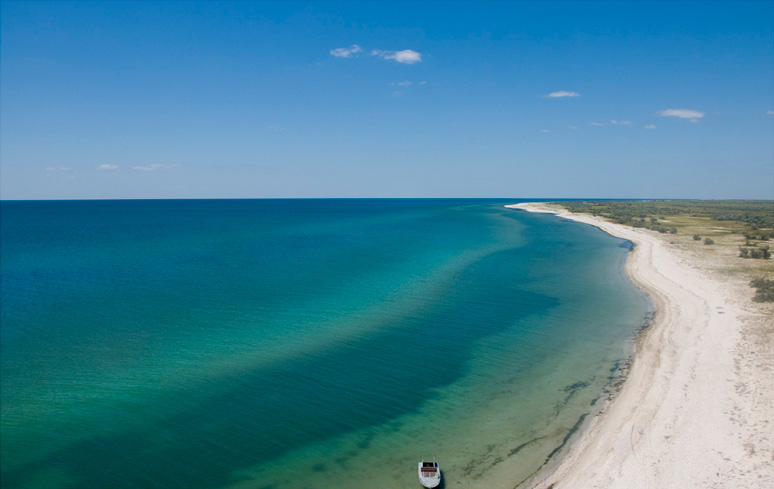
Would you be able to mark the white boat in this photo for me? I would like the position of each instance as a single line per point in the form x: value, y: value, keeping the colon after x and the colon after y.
x: 429, y: 474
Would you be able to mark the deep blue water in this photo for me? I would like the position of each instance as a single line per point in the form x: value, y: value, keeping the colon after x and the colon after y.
x: 206, y: 343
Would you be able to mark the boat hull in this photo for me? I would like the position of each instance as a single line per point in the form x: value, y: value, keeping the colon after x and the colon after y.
x: 429, y: 474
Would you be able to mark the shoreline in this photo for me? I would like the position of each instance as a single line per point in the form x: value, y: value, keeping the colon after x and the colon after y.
x: 696, y: 408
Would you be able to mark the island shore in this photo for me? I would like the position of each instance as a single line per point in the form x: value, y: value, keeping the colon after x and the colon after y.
x: 697, y: 407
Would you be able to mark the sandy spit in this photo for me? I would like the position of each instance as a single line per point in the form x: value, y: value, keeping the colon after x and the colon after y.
x: 697, y: 407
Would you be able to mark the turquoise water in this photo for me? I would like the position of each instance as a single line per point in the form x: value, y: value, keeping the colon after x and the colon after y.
x: 300, y: 343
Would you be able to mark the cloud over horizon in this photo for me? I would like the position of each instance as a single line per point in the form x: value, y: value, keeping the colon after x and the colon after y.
x: 562, y: 94
x: 682, y: 113
x: 154, y: 167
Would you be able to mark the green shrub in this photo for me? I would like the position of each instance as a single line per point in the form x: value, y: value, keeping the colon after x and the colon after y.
x: 763, y: 253
x: 764, y: 290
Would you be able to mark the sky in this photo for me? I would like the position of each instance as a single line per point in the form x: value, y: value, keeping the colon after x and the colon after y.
x: 124, y: 100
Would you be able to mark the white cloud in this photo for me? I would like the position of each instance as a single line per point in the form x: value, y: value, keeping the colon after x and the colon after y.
x: 108, y: 167
x: 650, y: 126
x: 596, y: 124
x: 546, y: 131
x: 562, y: 93
x: 153, y: 167
x: 682, y: 113
x: 572, y: 127
x: 770, y: 112
x: 621, y: 123
x: 406, y: 56
x: 346, y: 52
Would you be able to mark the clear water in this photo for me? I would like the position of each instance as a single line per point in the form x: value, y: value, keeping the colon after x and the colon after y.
x: 300, y: 343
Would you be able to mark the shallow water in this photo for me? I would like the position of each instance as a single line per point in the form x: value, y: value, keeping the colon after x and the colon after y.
x: 300, y: 343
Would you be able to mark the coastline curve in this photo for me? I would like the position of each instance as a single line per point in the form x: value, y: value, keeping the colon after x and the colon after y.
x: 680, y: 418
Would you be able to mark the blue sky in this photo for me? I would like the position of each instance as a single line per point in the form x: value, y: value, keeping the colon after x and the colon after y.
x: 387, y: 99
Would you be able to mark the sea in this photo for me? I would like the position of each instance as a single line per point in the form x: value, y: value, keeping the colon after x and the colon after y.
x: 302, y: 343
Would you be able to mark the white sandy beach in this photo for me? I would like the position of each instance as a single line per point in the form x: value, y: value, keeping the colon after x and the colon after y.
x: 697, y: 408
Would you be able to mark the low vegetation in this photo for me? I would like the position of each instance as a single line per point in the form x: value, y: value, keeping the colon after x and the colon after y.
x: 764, y: 290
x: 760, y: 253
x: 756, y: 215
x: 737, y: 229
